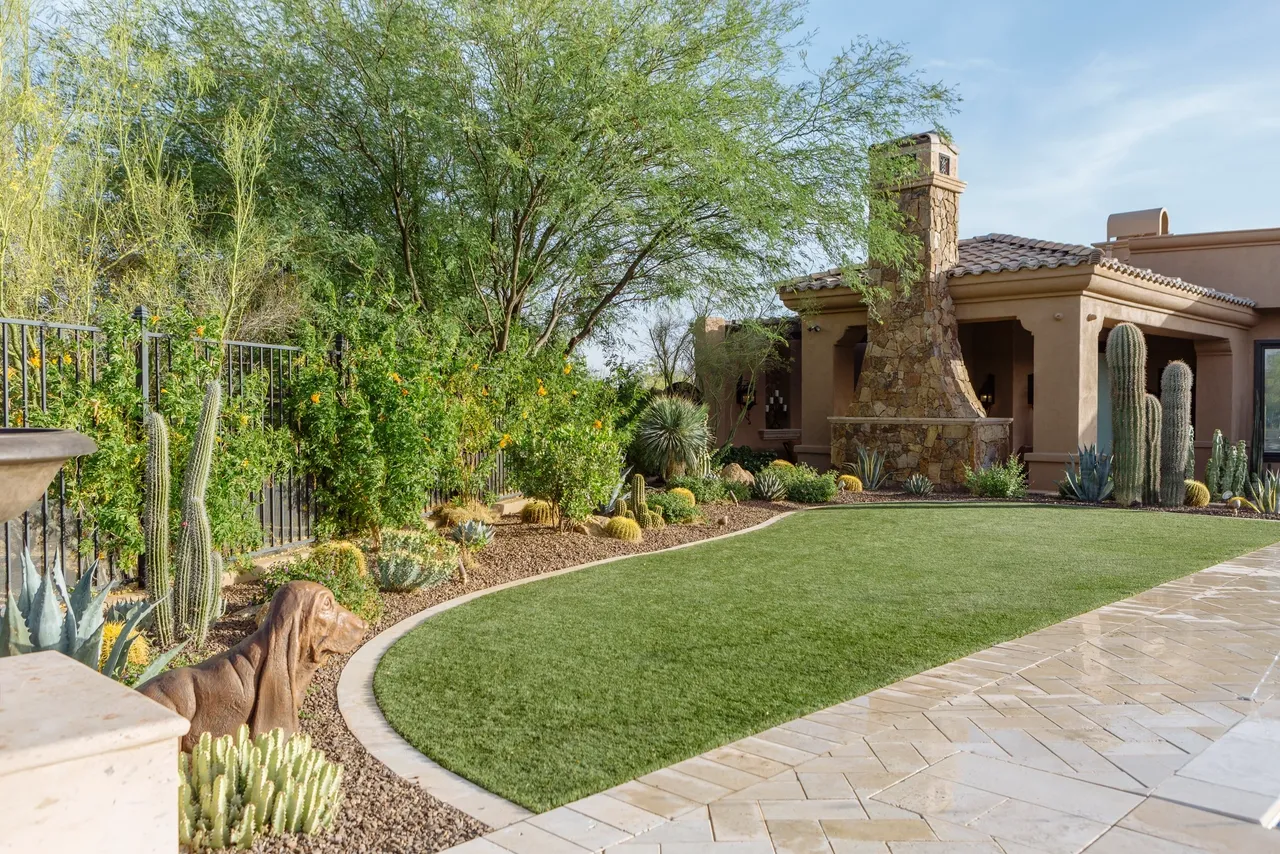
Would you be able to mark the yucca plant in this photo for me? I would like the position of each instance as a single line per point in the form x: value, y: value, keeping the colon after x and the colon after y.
x: 918, y: 484
x: 671, y: 435
x: 48, y: 616
x: 1089, y: 478
x: 868, y: 468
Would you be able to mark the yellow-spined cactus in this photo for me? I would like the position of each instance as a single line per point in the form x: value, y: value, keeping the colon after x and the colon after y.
x: 781, y: 464
x: 456, y: 514
x: 1197, y: 494
x: 849, y: 483
x: 653, y: 520
x: 622, y: 528
x: 538, y: 512
x: 685, y: 494
x: 139, y: 650
x: 343, y: 556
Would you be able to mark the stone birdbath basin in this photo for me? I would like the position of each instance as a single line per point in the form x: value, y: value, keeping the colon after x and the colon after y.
x: 29, y: 459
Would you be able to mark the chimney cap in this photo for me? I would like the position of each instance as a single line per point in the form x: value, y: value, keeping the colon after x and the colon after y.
x: 1152, y: 222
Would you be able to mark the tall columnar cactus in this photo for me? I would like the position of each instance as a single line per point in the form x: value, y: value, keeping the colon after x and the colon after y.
x: 1239, y: 469
x: 198, y: 567
x: 1151, y: 477
x: 1175, y: 431
x: 1215, y: 467
x: 1190, y: 473
x: 1127, y: 366
x: 639, y: 502
x: 155, y: 531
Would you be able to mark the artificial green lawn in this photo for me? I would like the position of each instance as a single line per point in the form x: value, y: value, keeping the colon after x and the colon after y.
x: 554, y: 690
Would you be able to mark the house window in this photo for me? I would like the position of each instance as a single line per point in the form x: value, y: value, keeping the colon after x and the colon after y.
x: 1266, y: 395
x: 944, y: 164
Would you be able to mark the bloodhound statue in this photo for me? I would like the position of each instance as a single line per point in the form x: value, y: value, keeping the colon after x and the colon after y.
x: 262, y: 680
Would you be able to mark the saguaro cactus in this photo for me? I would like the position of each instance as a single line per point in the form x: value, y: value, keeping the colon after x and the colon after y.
x: 1127, y: 367
x: 198, y: 575
x: 1151, y: 476
x: 1175, y: 431
x: 638, y: 500
x: 155, y: 531
x: 1191, y: 453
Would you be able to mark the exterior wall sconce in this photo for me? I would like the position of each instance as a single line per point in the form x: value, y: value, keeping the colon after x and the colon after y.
x: 813, y: 327
x: 987, y: 394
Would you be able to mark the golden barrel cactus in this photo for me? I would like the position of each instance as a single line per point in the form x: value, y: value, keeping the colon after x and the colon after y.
x: 685, y: 494
x: 849, y: 483
x: 622, y: 528
x: 1197, y: 494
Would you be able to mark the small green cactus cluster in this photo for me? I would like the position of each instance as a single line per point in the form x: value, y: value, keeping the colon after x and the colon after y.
x: 1227, y: 470
x: 233, y: 788
x: 538, y: 512
x: 639, y: 506
x: 1151, y: 454
x: 197, y: 571
x: 623, y: 528
x: 1197, y: 494
x: 769, y: 487
x: 918, y: 484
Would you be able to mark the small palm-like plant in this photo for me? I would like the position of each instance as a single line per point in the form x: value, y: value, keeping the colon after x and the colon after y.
x: 868, y: 468
x: 918, y: 484
x: 671, y: 435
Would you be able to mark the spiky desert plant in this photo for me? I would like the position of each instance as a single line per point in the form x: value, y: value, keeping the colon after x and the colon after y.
x: 653, y: 521
x: 782, y: 464
x: 918, y: 484
x: 538, y: 512
x: 769, y: 487
x: 621, y: 528
x: 1239, y: 469
x: 471, y: 536
x: 849, y: 483
x: 155, y: 527
x: 1264, y: 491
x: 869, y: 468
x: 1190, y: 472
x: 345, y: 557
x: 197, y: 565
x: 1175, y: 430
x: 1216, y: 465
x: 671, y: 435
x: 233, y: 788
x: 403, y: 571
x: 1197, y: 494
x: 1127, y: 367
x: 639, y: 500
x: 1089, y: 478
x: 1151, y: 453
x: 685, y: 494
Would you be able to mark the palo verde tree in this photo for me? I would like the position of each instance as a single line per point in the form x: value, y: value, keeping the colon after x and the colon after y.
x: 547, y: 165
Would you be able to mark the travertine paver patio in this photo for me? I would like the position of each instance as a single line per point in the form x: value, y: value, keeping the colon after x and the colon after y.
x: 1116, y: 731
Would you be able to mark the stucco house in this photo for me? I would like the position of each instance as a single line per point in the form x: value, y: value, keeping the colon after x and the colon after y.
x: 1001, y: 348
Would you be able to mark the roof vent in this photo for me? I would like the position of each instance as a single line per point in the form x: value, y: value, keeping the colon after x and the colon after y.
x: 1148, y: 223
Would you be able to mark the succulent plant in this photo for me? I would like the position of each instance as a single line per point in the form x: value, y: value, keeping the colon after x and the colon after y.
x: 622, y: 528
x: 768, y: 487
x: 1197, y: 494
x: 1127, y: 366
x: 1264, y: 492
x: 686, y: 494
x: 653, y: 521
x: 1089, y: 478
x: 538, y: 512
x: 343, y: 556
x: 1190, y: 473
x: 155, y: 527
x: 1239, y: 469
x: 197, y: 582
x: 1175, y: 430
x: 403, y: 571
x: 1151, y: 452
x: 781, y: 464
x: 46, y: 616
x: 471, y: 536
x: 671, y: 435
x: 918, y: 484
x: 868, y: 468
x: 233, y: 788
x: 849, y: 483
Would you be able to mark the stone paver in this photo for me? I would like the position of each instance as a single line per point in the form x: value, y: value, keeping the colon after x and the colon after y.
x: 1121, y: 730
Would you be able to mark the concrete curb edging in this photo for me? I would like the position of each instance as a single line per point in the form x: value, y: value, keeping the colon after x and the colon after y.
x: 360, y: 711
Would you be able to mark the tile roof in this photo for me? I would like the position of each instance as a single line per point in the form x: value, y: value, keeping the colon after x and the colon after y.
x: 998, y: 253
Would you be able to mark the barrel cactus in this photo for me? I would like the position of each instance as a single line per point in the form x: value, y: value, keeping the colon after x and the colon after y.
x: 1175, y: 430
x: 849, y: 483
x: 685, y: 494
x: 1127, y: 367
x: 538, y: 512
x: 1197, y: 494
x: 622, y: 528
x: 1151, y: 477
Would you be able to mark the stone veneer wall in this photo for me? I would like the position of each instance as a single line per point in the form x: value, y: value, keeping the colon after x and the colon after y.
x: 939, y: 448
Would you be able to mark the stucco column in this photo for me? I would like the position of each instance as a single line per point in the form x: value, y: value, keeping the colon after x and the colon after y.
x: 818, y: 337
x: 1065, y: 413
x: 1223, y: 391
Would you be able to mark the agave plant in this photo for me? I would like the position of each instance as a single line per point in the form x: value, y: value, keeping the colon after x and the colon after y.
x: 1089, y: 478
x: 1264, y: 492
x: 671, y: 435
x: 768, y: 486
x: 48, y: 616
x: 868, y: 468
x: 918, y: 484
x: 471, y: 536
x: 619, y: 493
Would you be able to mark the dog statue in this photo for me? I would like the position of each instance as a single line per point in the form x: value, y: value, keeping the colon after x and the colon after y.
x: 262, y: 680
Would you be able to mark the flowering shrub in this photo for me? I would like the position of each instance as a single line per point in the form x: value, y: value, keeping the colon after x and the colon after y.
x: 573, y: 465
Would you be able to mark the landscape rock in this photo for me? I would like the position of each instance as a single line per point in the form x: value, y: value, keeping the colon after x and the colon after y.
x: 734, y: 473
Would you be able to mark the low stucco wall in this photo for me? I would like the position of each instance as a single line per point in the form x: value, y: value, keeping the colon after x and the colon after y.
x: 939, y: 448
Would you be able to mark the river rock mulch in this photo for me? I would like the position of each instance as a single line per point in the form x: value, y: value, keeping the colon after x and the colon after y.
x: 383, y: 812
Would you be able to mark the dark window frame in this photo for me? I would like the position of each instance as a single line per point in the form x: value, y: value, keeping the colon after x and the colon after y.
x: 1260, y: 347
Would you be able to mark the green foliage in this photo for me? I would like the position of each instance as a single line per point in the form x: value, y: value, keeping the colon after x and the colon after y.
x: 1197, y: 494
x: 48, y: 616
x: 869, y: 468
x: 472, y: 535
x: 737, y: 490
x: 751, y: 459
x: 706, y: 490
x: 1227, y: 472
x: 1127, y: 366
x: 1089, y: 478
x: 768, y: 486
x: 998, y: 480
x: 622, y: 528
x: 918, y: 484
x: 1264, y: 492
x: 673, y: 508
x: 414, y: 560
x: 1151, y: 451
x: 809, y: 487
x: 197, y: 582
x: 1175, y: 431
x: 671, y: 435
x: 355, y: 591
x: 538, y: 512
x: 572, y: 464
x: 234, y: 788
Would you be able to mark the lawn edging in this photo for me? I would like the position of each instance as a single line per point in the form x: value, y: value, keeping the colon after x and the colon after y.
x: 363, y: 717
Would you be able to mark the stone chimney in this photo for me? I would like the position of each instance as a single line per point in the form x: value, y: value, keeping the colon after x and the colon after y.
x: 913, y: 366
